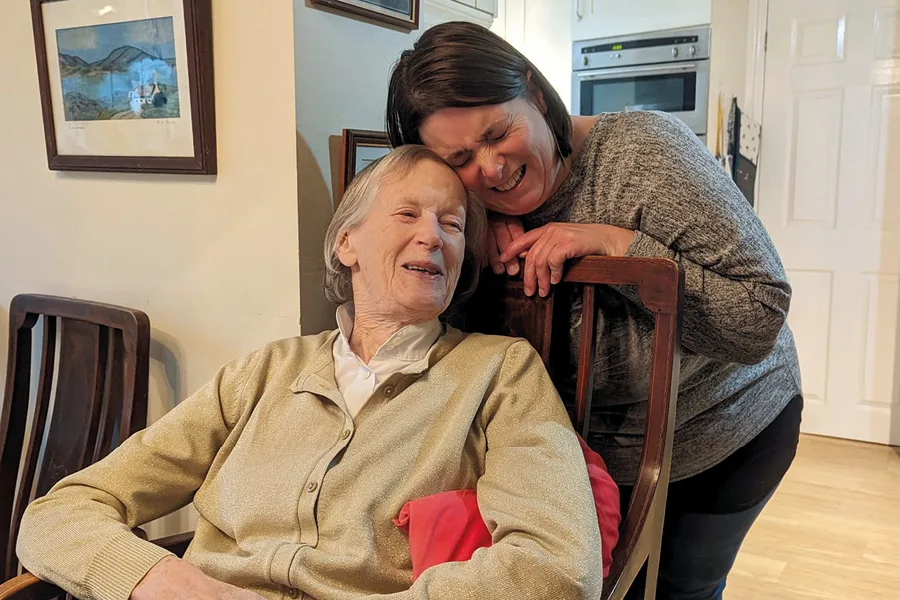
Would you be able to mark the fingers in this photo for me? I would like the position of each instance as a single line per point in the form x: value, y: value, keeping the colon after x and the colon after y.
x: 531, y: 275
x: 522, y: 243
x: 504, y: 237
x: 516, y: 229
x: 545, y: 262
x: 542, y: 258
x: 493, y: 251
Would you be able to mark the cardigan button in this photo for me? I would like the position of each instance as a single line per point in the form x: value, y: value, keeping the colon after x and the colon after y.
x: 389, y: 391
x: 293, y: 593
x: 346, y: 434
x: 313, y: 486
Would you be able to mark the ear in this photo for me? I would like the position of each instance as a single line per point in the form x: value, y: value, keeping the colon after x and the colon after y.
x: 346, y: 252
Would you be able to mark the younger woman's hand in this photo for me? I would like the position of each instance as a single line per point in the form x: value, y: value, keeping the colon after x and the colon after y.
x: 550, y: 246
x: 500, y: 233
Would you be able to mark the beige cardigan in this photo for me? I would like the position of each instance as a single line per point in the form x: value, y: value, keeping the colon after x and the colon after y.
x: 297, y: 500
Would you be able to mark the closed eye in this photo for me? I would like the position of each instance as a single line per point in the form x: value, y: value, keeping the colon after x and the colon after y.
x: 458, y: 162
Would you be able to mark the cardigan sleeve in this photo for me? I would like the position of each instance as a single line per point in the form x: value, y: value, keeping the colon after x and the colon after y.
x: 79, y: 535
x: 534, y: 497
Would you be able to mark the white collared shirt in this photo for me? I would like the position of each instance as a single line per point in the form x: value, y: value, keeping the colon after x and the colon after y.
x: 402, y: 351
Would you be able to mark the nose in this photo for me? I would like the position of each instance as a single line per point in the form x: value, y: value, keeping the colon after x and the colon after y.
x: 491, y: 167
x: 429, y: 233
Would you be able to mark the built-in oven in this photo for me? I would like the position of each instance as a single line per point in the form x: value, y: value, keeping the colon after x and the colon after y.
x: 665, y: 71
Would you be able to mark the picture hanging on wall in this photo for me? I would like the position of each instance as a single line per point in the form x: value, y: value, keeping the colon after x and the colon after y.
x: 399, y: 13
x: 127, y: 85
x: 359, y: 148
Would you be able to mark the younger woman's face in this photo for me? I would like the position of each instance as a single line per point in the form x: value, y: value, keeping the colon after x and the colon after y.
x: 505, y: 154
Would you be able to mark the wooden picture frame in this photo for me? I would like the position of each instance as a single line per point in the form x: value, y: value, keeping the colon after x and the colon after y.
x: 389, y: 12
x: 105, y: 105
x: 359, y: 147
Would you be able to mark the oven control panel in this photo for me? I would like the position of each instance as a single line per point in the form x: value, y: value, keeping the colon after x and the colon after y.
x: 642, y: 49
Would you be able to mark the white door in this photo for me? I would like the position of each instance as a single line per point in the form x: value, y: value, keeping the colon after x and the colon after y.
x: 830, y: 196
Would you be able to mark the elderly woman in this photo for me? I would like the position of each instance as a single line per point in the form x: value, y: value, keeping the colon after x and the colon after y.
x: 627, y: 184
x: 300, y: 456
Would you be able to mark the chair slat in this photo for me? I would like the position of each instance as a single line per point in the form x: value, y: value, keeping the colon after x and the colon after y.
x: 38, y: 422
x: 660, y: 285
x: 76, y: 414
x: 587, y: 350
x: 101, y: 389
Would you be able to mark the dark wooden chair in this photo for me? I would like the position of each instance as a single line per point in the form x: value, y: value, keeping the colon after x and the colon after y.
x: 503, y: 308
x: 101, y: 356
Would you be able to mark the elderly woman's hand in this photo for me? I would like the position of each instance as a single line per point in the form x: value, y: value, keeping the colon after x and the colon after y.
x: 176, y: 579
x: 500, y: 233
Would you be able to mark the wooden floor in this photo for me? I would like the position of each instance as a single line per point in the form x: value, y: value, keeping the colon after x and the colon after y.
x: 831, y: 531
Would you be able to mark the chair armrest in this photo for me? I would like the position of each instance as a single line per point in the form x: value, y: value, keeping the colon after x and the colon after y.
x: 29, y: 587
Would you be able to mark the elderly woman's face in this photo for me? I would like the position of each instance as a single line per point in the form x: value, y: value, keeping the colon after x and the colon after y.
x: 406, y: 256
x: 504, y: 153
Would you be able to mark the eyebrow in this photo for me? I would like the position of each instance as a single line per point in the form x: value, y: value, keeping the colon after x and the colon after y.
x: 488, y: 132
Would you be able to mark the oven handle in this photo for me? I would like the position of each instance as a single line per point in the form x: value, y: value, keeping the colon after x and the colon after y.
x: 650, y: 70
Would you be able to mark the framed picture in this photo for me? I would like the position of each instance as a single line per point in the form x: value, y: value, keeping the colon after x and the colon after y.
x: 127, y: 85
x: 399, y: 13
x: 358, y: 149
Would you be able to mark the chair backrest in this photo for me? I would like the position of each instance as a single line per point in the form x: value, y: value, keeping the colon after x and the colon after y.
x: 100, y: 355
x: 503, y: 308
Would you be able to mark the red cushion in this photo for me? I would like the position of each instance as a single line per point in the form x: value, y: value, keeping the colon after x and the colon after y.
x: 448, y: 526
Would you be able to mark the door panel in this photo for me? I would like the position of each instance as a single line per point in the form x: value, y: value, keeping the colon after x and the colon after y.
x: 830, y: 197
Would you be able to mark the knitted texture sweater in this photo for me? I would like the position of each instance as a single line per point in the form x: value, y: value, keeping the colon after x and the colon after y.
x: 647, y: 172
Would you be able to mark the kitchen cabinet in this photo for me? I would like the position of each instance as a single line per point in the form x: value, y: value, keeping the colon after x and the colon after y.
x: 488, y: 6
x: 477, y: 11
x: 603, y: 18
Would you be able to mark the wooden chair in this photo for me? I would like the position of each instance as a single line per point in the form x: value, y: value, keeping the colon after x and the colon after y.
x: 503, y: 308
x: 101, y: 356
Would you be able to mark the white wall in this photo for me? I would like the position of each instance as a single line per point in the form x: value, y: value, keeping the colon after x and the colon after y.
x: 617, y: 17
x: 542, y: 31
x: 212, y: 260
x: 728, y: 62
x: 342, y: 69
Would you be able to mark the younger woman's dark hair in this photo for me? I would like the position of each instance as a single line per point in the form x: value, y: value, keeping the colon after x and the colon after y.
x: 461, y: 65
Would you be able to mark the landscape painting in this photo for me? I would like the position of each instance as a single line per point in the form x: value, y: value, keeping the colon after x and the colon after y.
x: 119, y: 71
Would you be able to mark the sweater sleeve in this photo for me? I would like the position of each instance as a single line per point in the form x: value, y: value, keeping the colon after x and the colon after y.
x: 736, y: 292
x: 534, y: 497
x: 79, y: 535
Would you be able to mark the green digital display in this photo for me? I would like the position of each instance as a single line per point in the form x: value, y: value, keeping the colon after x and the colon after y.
x: 617, y: 46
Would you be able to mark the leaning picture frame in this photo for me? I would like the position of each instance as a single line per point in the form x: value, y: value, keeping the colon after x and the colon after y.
x: 127, y: 85
x: 403, y: 14
x: 359, y: 147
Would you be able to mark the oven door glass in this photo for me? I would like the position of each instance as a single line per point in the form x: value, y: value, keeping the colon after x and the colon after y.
x: 670, y: 92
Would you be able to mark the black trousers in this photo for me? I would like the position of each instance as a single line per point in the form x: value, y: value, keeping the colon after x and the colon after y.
x: 708, y: 515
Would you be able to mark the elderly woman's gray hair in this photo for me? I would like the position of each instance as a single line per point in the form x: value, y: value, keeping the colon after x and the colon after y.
x: 355, y: 205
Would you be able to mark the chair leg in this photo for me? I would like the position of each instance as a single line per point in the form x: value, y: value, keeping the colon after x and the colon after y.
x: 658, y: 519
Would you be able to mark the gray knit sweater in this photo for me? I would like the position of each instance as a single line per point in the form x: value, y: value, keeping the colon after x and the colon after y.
x: 646, y: 171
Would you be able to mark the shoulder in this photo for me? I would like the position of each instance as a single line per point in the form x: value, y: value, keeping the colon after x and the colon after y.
x: 270, y: 361
x: 482, y: 343
x: 498, y: 356
x: 649, y: 149
x: 640, y: 136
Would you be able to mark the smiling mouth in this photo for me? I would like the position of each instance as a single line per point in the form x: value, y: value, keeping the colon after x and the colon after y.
x: 430, y: 270
x: 512, y: 182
